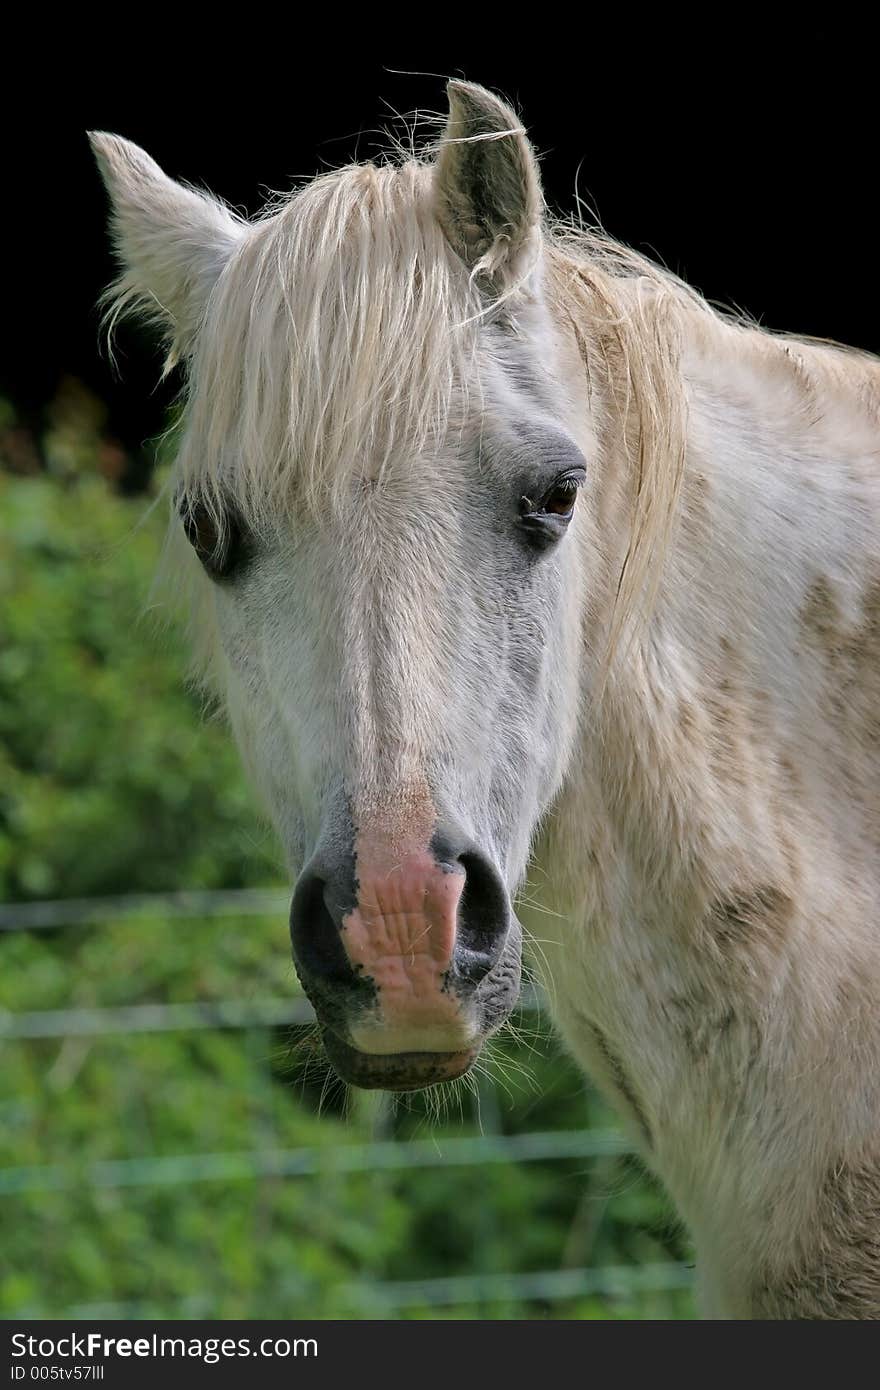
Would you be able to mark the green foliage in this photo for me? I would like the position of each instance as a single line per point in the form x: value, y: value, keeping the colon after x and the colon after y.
x: 112, y: 782
x: 322, y: 1244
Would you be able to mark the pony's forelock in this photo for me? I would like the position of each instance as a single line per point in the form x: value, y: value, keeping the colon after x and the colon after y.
x: 341, y: 333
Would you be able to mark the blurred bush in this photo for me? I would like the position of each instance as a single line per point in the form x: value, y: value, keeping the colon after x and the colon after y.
x: 110, y: 781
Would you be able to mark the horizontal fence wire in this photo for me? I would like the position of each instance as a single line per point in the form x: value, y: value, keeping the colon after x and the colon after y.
x: 549, y: 1285
x: 376, y: 1298
x: 157, y: 1018
x: 77, y: 912
x: 349, y: 1158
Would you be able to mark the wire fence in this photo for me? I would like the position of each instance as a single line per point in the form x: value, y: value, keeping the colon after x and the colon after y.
x: 79, y: 912
x: 466, y: 1290
x: 266, y: 1162
x: 156, y: 1018
x: 285, y: 1163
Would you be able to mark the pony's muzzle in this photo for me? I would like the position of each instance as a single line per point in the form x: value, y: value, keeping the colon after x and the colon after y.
x: 396, y: 947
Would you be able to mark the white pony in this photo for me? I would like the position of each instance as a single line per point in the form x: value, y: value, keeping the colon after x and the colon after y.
x: 510, y: 554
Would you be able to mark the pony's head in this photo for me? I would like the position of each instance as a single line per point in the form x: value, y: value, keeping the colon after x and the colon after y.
x: 385, y: 433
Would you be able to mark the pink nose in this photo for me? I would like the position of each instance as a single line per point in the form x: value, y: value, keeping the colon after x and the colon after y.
x: 395, y: 942
x: 402, y: 934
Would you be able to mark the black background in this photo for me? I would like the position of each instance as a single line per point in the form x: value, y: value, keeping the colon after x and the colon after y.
x: 744, y: 158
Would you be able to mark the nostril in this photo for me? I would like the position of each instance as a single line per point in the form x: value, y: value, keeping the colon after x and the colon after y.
x: 315, y: 932
x: 483, y: 918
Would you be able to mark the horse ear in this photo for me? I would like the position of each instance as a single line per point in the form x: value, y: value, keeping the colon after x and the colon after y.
x: 488, y: 191
x: 172, y: 241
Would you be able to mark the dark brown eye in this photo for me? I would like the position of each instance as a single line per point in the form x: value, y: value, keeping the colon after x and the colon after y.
x: 215, y: 535
x: 545, y: 512
x: 202, y: 530
x: 561, y: 498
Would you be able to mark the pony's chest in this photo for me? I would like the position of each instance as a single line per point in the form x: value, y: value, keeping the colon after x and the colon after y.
x: 651, y: 1027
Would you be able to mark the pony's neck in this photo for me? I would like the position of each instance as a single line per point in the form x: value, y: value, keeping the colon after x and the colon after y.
x: 775, y: 497
x: 768, y: 507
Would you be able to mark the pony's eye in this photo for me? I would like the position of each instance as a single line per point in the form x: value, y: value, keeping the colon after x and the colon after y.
x: 545, y: 521
x: 561, y: 498
x: 202, y: 529
x: 216, y: 537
